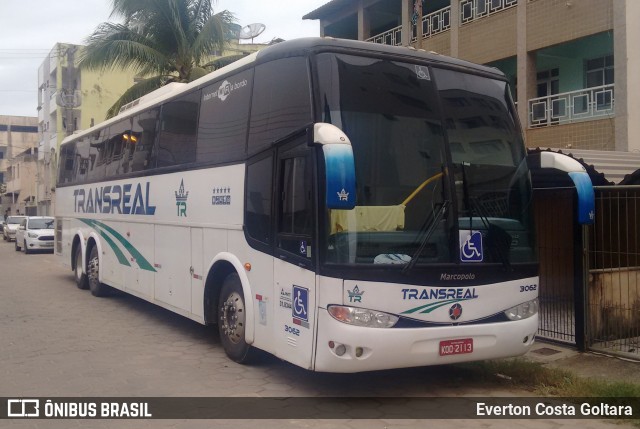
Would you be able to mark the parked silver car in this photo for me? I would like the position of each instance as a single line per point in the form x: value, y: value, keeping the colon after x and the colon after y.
x: 35, y: 233
x: 10, y: 226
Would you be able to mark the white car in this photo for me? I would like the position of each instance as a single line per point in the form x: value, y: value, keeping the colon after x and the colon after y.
x: 35, y: 233
x: 10, y: 226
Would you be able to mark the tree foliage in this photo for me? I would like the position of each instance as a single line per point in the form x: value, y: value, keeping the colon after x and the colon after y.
x: 163, y: 40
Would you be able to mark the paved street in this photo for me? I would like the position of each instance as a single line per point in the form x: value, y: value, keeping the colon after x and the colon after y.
x: 60, y: 341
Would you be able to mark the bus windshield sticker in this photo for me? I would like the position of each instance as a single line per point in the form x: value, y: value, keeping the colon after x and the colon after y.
x: 471, y: 246
x: 300, y: 307
x: 423, y: 73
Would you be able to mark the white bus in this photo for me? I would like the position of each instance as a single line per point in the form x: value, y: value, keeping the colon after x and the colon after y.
x: 342, y: 205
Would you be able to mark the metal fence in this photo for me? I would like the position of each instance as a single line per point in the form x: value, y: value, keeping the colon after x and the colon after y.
x: 613, y: 287
x: 556, y: 237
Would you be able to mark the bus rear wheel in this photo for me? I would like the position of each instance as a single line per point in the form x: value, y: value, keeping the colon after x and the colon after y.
x: 232, y: 320
x: 93, y: 275
x: 81, y: 277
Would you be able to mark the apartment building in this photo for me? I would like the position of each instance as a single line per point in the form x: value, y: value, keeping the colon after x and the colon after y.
x: 18, y: 144
x: 574, y: 71
x: 69, y: 99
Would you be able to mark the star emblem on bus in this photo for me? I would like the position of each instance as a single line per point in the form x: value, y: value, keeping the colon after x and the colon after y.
x: 343, y: 195
x: 355, y: 295
x: 181, y: 200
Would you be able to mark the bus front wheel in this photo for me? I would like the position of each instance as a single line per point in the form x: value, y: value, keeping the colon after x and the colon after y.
x: 232, y: 320
x: 93, y: 271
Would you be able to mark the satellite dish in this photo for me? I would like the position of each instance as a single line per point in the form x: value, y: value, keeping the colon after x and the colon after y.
x: 252, y: 30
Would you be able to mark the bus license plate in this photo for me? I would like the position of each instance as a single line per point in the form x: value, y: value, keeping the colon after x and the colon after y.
x: 456, y: 347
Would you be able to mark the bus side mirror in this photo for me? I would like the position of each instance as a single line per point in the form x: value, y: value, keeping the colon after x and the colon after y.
x: 339, y: 166
x: 579, y: 176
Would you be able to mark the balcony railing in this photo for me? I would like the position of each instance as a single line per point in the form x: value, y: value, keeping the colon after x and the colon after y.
x: 574, y: 106
x: 470, y: 10
x: 391, y: 37
x: 432, y: 24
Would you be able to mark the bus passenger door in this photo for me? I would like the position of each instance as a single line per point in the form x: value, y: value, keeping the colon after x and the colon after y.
x: 295, y: 280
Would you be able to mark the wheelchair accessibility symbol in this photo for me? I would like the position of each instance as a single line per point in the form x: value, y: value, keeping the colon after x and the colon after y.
x: 300, y: 303
x: 470, y: 246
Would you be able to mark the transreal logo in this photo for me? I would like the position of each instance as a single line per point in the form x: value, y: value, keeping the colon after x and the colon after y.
x: 181, y: 200
x: 355, y: 295
x: 343, y: 195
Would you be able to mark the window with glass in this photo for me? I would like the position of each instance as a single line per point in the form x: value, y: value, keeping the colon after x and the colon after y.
x: 178, y: 128
x: 296, y: 213
x: 389, y: 111
x: 281, y: 101
x: 258, y: 212
x: 492, y: 182
x: 224, y: 114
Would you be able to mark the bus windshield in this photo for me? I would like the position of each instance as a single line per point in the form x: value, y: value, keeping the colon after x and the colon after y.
x: 402, y: 119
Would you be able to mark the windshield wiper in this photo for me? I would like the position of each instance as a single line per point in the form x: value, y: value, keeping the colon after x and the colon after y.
x: 426, y: 231
x: 498, y: 239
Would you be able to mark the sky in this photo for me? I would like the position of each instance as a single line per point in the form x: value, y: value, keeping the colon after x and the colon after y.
x: 30, y: 28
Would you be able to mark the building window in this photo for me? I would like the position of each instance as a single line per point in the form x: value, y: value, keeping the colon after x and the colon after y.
x: 599, y: 71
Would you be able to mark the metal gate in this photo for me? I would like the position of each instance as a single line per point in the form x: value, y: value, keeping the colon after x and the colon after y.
x: 613, y: 291
x: 560, y: 267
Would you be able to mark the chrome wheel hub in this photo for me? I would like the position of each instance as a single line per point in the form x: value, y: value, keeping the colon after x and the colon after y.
x: 232, y: 316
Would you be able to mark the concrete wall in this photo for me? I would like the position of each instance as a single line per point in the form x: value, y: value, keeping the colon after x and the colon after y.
x: 595, y: 134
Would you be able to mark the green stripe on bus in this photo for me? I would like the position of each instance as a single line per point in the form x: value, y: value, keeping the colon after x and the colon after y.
x: 433, y: 306
x: 140, y: 260
x: 121, y: 258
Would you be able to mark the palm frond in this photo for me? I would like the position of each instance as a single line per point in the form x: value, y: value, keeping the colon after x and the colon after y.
x: 116, y: 46
x: 213, y: 35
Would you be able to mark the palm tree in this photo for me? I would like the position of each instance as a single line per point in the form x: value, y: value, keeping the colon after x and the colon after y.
x: 163, y: 40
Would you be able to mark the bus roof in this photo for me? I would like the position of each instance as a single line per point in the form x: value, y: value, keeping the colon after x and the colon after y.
x: 291, y: 48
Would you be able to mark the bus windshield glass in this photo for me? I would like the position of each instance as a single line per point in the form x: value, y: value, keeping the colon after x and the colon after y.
x: 402, y: 119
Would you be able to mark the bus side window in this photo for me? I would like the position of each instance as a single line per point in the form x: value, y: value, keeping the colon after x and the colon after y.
x: 179, y: 120
x: 295, y: 205
x: 144, y: 133
x: 67, y: 162
x: 281, y: 101
x: 98, y: 150
x: 258, y: 200
x: 222, y: 131
x: 119, y: 134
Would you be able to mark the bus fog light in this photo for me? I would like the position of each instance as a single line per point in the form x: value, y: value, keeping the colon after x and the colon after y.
x: 362, y: 317
x: 523, y: 311
x: 341, y: 349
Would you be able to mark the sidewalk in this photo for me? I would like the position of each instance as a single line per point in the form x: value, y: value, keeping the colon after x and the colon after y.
x: 588, y: 365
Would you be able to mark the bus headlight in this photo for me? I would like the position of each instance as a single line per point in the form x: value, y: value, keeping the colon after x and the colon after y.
x: 523, y: 311
x: 362, y: 317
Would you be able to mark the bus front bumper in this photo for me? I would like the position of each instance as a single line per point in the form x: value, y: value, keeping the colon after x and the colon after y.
x: 370, y: 349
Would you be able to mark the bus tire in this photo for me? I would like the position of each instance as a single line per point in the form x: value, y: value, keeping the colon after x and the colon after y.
x: 93, y: 275
x: 232, y: 320
x: 81, y: 277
